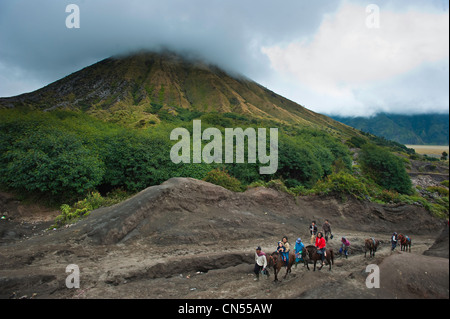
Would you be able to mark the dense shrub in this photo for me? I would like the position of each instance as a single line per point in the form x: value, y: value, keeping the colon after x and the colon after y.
x: 340, y: 184
x: 278, y: 185
x: 50, y: 161
x: 385, y: 168
x: 309, y: 156
x: 387, y: 196
x: 70, y: 214
x: 296, y: 161
x: 246, y: 172
x: 442, y: 191
x: 357, y: 141
x: 135, y: 160
x: 221, y: 177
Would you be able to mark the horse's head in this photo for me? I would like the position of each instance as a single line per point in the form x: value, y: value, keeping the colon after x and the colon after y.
x: 310, y: 250
x: 305, y: 254
x: 272, y: 260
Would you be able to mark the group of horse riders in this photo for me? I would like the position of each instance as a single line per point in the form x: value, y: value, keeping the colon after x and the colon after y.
x: 318, y: 238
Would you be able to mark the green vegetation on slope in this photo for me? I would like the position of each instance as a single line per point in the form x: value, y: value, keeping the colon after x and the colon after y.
x: 66, y: 154
x: 73, y: 158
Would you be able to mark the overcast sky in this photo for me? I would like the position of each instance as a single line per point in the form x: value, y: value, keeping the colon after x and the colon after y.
x: 334, y: 57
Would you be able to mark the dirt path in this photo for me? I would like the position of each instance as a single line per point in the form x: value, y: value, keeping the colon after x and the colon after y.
x: 194, y: 240
x: 141, y: 271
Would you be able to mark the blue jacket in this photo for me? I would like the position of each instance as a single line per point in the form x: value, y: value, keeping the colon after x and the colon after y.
x: 298, y: 248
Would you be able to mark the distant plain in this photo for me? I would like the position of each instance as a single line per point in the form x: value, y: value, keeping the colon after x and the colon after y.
x: 430, y: 149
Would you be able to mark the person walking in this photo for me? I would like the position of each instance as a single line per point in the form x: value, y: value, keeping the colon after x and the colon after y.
x: 313, y: 231
x: 298, y: 250
x: 260, y: 263
x: 326, y: 227
x: 394, y: 241
x: 344, y: 247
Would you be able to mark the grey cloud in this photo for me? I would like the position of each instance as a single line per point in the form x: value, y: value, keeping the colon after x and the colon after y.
x: 36, y: 48
x: 228, y: 33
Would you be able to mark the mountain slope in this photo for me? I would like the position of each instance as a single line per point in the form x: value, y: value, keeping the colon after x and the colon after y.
x: 406, y: 129
x: 146, y: 80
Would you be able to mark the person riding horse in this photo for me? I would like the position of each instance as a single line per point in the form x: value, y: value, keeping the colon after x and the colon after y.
x: 283, y: 248
x: 321, y: 245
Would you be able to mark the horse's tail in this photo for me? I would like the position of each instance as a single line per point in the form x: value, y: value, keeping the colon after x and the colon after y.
x: 332, y: 256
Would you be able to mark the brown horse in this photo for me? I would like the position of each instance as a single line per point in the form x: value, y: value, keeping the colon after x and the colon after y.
x: 371, y: 245
x: 277, y: 262
x: 313, y: 255
x: 405, y: 242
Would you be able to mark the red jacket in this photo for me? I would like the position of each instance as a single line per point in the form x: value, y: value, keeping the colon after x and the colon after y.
x: 320, y: 242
